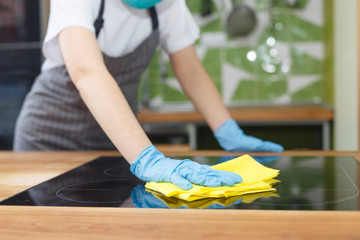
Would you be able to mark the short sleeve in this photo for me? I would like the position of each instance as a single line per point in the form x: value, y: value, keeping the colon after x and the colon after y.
x: 181, y: 29
x: 63, y: 14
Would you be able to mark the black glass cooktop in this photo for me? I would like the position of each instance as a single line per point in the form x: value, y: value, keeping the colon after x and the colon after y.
x: 307, y: 183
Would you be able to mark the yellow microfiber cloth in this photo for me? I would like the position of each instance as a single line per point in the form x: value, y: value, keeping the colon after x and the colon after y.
x: 208, y: 202
x: 256, y: 179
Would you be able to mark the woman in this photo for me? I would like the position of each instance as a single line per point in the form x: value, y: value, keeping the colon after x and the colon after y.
x: 85, y: 96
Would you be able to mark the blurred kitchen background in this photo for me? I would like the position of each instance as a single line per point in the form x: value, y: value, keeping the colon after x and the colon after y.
x: 258, y: 52
x: 21, y: 31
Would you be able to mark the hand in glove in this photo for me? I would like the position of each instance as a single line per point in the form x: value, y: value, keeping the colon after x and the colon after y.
x: 232, y: 138
x: 152, y: 166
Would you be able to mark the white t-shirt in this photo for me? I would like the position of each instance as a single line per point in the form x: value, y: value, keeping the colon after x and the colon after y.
x: 124, y: 27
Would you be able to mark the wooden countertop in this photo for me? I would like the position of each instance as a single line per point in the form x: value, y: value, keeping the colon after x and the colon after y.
x: 19, y: 171
x: 246, y: 114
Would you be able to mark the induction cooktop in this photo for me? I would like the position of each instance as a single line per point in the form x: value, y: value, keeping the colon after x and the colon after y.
x: 306, y: 183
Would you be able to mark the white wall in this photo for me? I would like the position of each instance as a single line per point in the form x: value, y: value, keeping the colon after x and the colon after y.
x: 346, y: 75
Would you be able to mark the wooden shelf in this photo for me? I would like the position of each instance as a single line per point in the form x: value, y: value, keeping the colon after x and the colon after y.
x: 246, y: 114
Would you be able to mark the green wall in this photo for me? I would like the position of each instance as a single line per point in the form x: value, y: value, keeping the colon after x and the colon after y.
x: 285, y: 59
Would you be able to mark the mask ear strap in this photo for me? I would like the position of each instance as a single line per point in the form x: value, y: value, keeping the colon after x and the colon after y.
x: 99, y: 22
x: 154, y: 18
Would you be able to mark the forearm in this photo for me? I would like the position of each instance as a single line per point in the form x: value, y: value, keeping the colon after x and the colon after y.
x: 113, y: 113
x: 202, y: 92
x: 199, y: 87
x: 100, y: 92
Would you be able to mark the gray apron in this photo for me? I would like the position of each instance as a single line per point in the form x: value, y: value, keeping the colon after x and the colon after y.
x: 54, y: 117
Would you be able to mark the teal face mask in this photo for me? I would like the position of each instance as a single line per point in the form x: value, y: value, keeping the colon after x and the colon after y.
x: 141, y: 3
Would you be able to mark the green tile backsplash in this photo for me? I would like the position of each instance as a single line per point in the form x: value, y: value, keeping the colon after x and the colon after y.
x: 280, y: 62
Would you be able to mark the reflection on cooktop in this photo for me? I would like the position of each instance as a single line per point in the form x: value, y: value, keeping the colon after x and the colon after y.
x: 307, y: 183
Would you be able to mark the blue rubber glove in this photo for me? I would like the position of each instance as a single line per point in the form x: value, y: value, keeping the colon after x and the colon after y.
x: 152, y: 166
x: 143, y: 199
x: 232, y: 138
x: 219, y: 206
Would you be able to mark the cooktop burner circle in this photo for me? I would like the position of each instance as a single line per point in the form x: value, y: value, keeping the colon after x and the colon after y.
x: 98, y: 191
x: 115, y: 171
x: 349, y: 194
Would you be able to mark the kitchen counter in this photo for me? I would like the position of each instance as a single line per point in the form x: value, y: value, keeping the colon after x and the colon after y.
x: 294, y: 115
x: 19, y: 171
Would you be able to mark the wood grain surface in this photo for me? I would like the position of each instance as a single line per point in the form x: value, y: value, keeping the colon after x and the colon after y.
x: 246, y: 114
x: 21, y: 170
x: 110, y: 223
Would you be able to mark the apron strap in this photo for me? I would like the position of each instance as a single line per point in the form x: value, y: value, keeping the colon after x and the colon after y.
x: 154, y: 18
x: 99, y: 22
